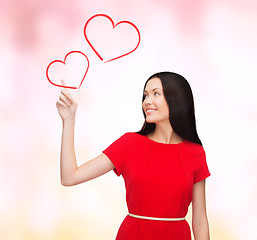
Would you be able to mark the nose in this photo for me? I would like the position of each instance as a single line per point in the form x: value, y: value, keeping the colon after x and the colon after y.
x: 148, y: 101
x: 149, y: 98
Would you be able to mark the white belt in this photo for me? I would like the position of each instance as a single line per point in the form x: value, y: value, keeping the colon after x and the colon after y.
x: 155, y: 218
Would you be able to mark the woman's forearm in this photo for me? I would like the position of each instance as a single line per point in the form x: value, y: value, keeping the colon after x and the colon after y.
x: 68, y: 163
x: 201, y: 230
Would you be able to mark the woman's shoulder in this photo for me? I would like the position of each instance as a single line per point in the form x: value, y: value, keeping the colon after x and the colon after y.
x: 193, y: 147
x: 132, y: 136
x: 129, y: 139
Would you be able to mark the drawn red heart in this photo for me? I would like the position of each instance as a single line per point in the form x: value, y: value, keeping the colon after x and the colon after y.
x: 74, y: 68
x: 130, y: 27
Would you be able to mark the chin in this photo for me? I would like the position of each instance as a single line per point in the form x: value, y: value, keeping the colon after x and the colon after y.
x: 150, y: 120
x: 156, y: 120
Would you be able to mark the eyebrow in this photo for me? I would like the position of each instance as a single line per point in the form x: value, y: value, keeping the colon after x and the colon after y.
x: 153, y: 89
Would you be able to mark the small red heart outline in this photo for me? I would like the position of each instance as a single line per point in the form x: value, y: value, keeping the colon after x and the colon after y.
x: 63, y: 62
x: 104, y: 15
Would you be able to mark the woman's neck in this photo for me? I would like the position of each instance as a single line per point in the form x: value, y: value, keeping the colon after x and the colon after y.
x: 165, y: 134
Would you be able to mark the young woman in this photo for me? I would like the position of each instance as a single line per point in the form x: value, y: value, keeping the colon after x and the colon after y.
x: 163, y: 165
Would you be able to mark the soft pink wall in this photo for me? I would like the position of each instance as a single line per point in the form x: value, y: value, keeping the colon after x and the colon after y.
x: 211, y: 43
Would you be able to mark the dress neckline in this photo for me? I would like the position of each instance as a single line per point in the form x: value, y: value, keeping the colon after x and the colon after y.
x: 164, y: 144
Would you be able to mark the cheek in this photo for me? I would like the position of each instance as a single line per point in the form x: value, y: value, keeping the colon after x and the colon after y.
x: 163, y: 104
x: 164, y: 108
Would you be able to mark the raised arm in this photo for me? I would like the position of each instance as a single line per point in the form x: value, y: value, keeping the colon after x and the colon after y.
x: 71, y: 174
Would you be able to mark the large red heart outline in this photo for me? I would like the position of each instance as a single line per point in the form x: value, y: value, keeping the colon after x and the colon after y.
x: 113, y: 25
x: 51, y: 64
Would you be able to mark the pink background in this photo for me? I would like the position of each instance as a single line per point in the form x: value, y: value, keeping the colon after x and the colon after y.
x: 211, y: 43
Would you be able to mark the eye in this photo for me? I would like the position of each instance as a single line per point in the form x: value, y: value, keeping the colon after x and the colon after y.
x: 156, y: 93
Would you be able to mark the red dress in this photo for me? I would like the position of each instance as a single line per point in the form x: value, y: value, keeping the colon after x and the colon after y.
x: 159, y: 181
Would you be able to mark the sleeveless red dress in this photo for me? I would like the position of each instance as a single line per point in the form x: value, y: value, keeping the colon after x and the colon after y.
x: 159, y: 181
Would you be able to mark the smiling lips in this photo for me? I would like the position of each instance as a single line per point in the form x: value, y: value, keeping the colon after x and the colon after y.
x: 150, y: 110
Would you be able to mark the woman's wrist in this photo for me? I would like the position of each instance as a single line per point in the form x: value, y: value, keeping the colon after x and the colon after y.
x: 68, y: 121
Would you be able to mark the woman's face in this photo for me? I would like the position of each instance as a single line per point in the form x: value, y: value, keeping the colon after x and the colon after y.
x: 154, y: 105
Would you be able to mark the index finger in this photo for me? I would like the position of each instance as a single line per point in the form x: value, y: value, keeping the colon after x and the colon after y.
x: 65, y: 91
x: 63, y: 82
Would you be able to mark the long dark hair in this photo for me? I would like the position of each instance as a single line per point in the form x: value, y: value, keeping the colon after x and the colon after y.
x: 179, y: 97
